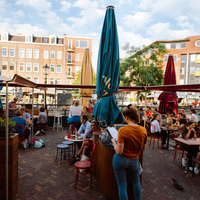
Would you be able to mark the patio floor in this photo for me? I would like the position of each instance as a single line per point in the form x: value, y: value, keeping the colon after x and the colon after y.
x: 40, y: 177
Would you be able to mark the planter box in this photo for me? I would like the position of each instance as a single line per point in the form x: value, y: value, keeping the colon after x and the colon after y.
x: 12, y: 166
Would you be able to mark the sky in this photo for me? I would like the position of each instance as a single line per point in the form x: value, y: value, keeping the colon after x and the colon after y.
x: 139, y: 22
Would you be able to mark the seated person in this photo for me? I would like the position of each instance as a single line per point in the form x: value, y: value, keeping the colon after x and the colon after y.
x: 75, y: 113
x: 87, y: 144
x: 12, y: 106
x: 170, y: 114
x: 25, y: 115
x: 85, y: 129
x: 182, y: 111
x: 194, y: 117
x: 182, y: 122
x: 2, y: 113
x: 42, y: 119
x: 157, y: 130
x: 20, y: 121
x: 196, y: 169
x: 155, y: 110
x: 148, y: 113
x: 189, y: 132
x: 90, y: 106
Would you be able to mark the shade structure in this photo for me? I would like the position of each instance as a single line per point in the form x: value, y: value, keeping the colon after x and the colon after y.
x: 169, y: 98
x: 106, y: 110
x: 86, y: 78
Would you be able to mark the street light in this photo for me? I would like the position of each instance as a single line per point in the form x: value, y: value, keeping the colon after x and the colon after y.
x: 46, y: 73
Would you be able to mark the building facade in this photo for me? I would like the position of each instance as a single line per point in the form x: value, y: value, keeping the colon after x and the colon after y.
x: 26, y: 54
x: 186, y: 53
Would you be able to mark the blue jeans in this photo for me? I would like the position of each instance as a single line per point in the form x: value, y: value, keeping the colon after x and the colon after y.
x: 122, y: 165
x: 74, y: 120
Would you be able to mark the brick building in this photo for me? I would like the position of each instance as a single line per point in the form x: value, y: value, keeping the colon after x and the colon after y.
x: 25, y: 54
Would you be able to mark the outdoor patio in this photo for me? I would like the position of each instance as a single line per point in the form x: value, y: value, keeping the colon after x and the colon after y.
x: 40, y: 177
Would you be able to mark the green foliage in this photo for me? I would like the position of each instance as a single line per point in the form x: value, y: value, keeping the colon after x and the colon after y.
x: 142, y: 67
x: 3, y: 127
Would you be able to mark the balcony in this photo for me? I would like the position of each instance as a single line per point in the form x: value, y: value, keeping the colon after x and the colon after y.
x: 70, y: 75
x: 70, y: 49
x: 70, y: 62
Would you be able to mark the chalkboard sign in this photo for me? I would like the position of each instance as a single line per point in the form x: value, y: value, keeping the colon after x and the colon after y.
x: 64, y: 99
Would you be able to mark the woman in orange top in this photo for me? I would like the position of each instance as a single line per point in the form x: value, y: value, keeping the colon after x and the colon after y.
x: 132, y: 140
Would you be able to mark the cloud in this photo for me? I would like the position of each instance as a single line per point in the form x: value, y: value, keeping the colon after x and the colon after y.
x: 2, y: 5
x: 19, y: 13
x: 139, y: 20
x: 86, y: 4
x: 65, y: 6
x: 40, y: 5
x: 51, y: 18
x: 121, y: 2
x: 162, y: 31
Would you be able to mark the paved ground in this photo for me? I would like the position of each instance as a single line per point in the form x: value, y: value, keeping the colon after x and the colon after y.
x: 40, y: 177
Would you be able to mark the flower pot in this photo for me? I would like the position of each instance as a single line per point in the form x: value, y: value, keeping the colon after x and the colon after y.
x: 12, y: 166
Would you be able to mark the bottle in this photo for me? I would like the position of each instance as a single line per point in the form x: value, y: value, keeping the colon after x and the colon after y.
x: 172, y: 126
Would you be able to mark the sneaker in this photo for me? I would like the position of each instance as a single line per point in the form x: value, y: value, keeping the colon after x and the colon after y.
x: 183, y: 162
x: 24, y: 145
x: 196, y: 171
x: 37, y: 133
x: 43, y: 132
x: 190, y: 168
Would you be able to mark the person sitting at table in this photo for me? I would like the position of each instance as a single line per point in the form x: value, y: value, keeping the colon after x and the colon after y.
x: 42, y: 119
x: 188, y: 132
x: 19, y: 120
x: 182, y: 111
x: 75, y: 113
x: 87, y: 144
x: 157, y: 130
x: 12, y: 106
x: 194, y: 117
x: 170, y: 114
x: 2, y: 113
x: 148, y: 113
x: 154, y: 111
x: 25, y: 115
x: 132, y: 140
x: 90, y: 106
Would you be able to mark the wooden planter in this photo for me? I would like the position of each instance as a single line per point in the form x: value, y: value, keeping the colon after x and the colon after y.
x: 12, y: 165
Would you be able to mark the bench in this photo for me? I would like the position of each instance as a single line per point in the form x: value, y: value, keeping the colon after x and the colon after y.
x: 193, y: 161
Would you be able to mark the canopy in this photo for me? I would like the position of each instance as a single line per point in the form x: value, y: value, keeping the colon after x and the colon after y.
x: 106, y: 110
x: 86, y: 78
x: 169, y: 99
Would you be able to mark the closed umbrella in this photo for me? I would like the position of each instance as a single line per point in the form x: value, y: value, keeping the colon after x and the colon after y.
x: 86, y: 78
x: 106, y: 110
x: 169, y: 99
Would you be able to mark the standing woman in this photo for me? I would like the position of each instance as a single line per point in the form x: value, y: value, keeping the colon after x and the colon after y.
x: 132, y: 140
x: 194, y: 117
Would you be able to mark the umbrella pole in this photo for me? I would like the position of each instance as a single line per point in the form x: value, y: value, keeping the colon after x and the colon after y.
x: 145, y: 108
x: 32, y: 120
x: 7, y: 140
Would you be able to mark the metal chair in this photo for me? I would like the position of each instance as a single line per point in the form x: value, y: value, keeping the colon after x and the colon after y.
x: 85, y: 165
x: 62, y: 148
x: 152, y: 132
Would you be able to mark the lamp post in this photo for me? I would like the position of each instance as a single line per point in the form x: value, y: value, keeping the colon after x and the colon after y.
x: 46, y: 73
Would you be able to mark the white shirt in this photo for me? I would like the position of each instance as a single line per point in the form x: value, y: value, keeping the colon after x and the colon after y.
x: 75, y: 111
x: 195, y: 117
x: 157, y: 126
x: 87, y: 128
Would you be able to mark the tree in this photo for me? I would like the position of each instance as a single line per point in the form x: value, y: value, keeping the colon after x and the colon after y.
x: 143, y: 67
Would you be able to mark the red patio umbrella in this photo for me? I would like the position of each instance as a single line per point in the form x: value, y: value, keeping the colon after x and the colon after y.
x: 169, y: 99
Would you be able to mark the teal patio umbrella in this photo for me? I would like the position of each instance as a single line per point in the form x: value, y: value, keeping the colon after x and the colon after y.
x: 106, y: 110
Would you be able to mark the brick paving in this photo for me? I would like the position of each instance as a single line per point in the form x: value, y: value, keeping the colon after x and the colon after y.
x: 40, y: 177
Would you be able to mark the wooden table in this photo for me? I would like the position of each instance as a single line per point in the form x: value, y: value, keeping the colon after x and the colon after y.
x: 167, y: 130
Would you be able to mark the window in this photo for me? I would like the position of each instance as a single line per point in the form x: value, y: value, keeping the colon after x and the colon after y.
x: 197, y: 69
x: 181, y: 81
x: 79, y: 56
x: 52, y: 54
x: 68, y: 82
x: 197, y: 43
x: 192, y: 57
x: 183, y: 58
x: 69, y: 44
x: 21, y: 67
x: 4, y: 51
x: 46, y: 54
x: 175, y: 57
x: 4, y: 66
x: 29, y: 38
x: 28, y: 53
x: 35, y: 79
x: 59, y: 55
x: 77, y: 69
x: 178, y: 45
x: 183, y: 44
x: 45, y: 40
x: 52, y: 68
x: 12, y: 52
x: 59, y: 41
x: 81, y: 44
x: 168, y: 45
x: 192, y: 70
x: 28, y: 78
x: 53, y: 40
x: 36, y: 53
x: 198, y: 56
x: 4, y: 36
x: 11, y: 66
x: 173, y: 45
x: 58, y: 80
x: 35, y: 67
x: 69, y: 58
x: 29, y: 67
x: 69, y: 71
x: 21, y: 53
x: 191, y: 81
x: 59, y: 69
x: 182, y: 71
x: 52, y: 81
x: 166, y: 58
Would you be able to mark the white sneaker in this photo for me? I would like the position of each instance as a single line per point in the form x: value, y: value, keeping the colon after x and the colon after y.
x: 183, y: 162
x: 190, y: 168
x: 196, y: 171
x: 37, y: 133
x: 24, y: 145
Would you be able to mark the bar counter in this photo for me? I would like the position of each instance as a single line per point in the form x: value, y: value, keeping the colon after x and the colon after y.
x: 104, y: 173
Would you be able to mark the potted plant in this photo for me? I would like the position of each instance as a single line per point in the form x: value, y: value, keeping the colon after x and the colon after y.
x: 3, y: 127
